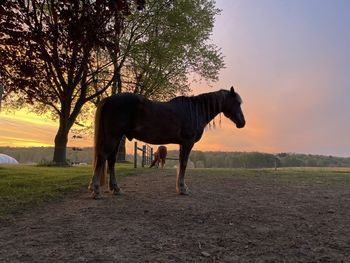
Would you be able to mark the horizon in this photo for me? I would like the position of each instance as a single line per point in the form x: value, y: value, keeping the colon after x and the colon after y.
x: 289, y: 61
x: 130, y: 152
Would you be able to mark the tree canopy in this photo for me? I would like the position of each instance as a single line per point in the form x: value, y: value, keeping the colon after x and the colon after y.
x: 50, y: 55
x: 164, y: 44
x: 58, y: 56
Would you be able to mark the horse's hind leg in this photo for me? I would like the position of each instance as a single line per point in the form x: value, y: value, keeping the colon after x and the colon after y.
x: 97, y: 176
x: 185, y: 150
x: 113, y: 185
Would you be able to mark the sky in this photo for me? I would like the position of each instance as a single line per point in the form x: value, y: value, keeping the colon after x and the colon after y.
x: 289, y: 61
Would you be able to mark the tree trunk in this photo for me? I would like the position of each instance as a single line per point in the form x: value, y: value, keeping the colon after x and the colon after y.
x: 60, y: 151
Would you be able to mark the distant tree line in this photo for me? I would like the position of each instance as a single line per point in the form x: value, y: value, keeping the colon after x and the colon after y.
x: 39, y: 155
x: 198, y: 159
x: 264, y: 160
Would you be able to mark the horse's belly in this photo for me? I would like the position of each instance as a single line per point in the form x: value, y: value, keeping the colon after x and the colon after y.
x: 159, y: 135
x: 156, y: 139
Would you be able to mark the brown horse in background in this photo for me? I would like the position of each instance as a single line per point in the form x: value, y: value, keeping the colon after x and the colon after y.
x: 181, y: 121
x: 159, y: 156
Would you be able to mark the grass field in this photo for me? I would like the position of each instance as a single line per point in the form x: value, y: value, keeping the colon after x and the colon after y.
x: 23, y: 187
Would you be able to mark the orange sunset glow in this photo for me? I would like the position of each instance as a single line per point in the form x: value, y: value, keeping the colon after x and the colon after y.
x: 290, y: 63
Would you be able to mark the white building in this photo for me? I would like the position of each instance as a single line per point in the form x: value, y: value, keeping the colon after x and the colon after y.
x: 5, y: 159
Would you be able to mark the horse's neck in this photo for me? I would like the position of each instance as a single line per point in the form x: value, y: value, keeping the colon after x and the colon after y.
x: 210, y: 105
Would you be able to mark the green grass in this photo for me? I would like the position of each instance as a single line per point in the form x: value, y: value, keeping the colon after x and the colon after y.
x: 311, y: 175
x: 23, y: 187
x: 304, y: 175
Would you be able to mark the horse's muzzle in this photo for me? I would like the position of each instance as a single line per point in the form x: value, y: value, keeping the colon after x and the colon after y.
x: 240, y: 125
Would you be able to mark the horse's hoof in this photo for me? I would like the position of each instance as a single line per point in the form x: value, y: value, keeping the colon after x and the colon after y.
x: 90, y: 188
x: 117, y: 191
x: 96, y: 196
x: 183, y: 191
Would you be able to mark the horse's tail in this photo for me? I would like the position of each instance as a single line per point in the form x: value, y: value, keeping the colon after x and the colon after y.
x: 99, y: 140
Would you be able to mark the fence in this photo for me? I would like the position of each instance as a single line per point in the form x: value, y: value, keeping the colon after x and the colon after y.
x: 146, y: 156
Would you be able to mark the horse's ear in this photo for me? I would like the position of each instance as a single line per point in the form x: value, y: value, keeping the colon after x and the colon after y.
x: 232, y: 90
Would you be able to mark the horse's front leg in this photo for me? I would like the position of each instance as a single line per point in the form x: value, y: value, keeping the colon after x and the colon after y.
x: 185, y: 150
x: 113, y: 185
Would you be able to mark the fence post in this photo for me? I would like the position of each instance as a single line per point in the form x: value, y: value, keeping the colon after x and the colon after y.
x: 151, y: 157
x: 135, y: 154
x: 143, y: 156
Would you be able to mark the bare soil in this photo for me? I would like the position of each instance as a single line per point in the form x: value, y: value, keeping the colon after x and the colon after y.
x: 227, y: 218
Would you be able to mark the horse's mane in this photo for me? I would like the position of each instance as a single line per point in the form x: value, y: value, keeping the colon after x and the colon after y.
x: 201, y: 98
x: 202, y: 105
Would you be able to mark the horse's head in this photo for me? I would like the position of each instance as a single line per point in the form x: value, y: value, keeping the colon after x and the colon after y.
x: 232, y: 108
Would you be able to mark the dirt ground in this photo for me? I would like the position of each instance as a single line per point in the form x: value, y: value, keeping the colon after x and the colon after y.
x: 225, y: 219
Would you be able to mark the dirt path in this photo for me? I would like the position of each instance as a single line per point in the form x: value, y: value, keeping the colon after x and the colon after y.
x: 226, y: 219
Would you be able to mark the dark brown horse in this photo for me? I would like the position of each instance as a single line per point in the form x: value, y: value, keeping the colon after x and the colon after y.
x: 181, y: 121
x: 159, y: 156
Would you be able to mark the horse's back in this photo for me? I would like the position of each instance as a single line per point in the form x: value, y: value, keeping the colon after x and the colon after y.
x: 120, y: 111
x: 129, y: 100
